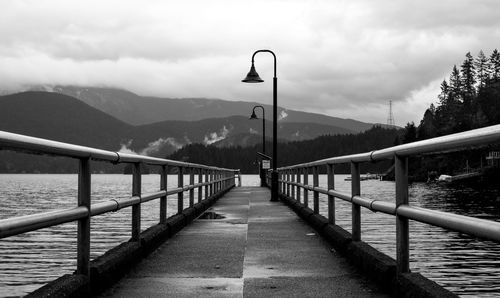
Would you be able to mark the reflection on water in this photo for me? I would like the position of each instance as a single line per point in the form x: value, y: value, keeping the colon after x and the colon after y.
x: 466, y: 266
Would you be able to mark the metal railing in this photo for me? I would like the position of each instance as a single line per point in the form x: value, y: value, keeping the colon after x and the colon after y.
x: 294, y: 183
x: 212, y: 179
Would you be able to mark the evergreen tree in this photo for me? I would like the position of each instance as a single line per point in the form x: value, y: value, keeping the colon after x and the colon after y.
x: 482, y: 69
x: 445, y: 90
x: 427, y: 128
x: 468, y: 78
x: 495, y: 65
x: 410, y: 134
x: 455, y: 85
x: 468, y: 91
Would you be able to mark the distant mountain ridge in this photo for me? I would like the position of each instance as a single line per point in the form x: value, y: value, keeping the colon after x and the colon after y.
x: 59, y: 117
x: 63, y: 118
x: 138, y: 110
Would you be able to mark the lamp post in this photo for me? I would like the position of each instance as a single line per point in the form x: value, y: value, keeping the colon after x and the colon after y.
x: 253, y: 77
x: 254, y: 116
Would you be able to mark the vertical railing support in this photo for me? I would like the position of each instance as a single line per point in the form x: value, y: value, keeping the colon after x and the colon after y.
x: 207, y: 194
x: 288, y: 186
x: 217, y: 184
x: 163, y: 200
x: 191, y: 191
x: 226, y: 182
x: 356, y: 209
x: 180, y: 195
x: 402, y: 230
x: 306, y: 182
x: 83, y: 241
x: 280, y: 185
x: 331, y: 199
x: 212, y: 184
x: 299, y: 189
x: 294, y: 187
x: 200, y: 188
x: 282, y: 176
x: 283, y: 182
x: 136, y: 209
x: 316, y: 193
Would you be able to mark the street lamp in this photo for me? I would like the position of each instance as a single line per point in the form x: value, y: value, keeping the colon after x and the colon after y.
x: 253, y: 77
x: 252, y: 117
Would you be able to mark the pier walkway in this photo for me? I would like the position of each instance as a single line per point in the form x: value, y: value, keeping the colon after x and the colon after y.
x: 260, y: 249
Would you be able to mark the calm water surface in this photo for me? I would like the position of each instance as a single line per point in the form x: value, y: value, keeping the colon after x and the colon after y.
x: 466, y: 266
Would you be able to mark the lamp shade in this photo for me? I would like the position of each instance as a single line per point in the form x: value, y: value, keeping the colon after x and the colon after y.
x: 252, y: 76
x: 253, y: 116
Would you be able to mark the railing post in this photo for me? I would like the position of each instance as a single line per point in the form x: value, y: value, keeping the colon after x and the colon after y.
x: 226, y: 181
x: 200, y: 188
x: 315, y: 193
x: 84, y: 187
x: 207, y: 194
x: 136, y: 209
x: 191, y: 191
x: 180, y: 196
x: 299, y: 189
x: 402, y: 230
x: 163, y: 200
x: 216, y: 177
x: 280, y: 186
x: 331, y: 200
x: 292, y: 172
x: 212, y: 184
x: 217, y: 184
x: 306, y: 192
x: 288, y: 186
x: 356, y: 209
x: 283, y: 182
x: 222, y: 183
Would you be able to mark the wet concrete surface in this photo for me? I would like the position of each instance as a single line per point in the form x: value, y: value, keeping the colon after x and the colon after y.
x: 260, y: 248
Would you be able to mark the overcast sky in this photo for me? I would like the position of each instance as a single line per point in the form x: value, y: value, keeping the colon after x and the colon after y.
x: 342, y: 58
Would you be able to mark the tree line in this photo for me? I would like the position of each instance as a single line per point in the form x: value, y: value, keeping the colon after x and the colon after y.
x: 246, y: 158
x: 469, y: 99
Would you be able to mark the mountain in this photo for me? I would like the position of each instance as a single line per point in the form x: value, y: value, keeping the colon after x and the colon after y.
x: 138, y: 110
x: 59, y: 117
x: 64, y: 118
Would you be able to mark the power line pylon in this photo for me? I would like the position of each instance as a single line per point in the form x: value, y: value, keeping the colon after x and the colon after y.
x: 390, y: 118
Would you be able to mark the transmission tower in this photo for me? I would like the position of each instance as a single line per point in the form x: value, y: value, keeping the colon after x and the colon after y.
x: 390, y: 118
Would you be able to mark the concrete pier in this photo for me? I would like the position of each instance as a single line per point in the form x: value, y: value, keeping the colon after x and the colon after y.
x: 259, y: 249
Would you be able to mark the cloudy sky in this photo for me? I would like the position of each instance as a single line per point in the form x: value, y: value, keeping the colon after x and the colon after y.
x: 342, y: 58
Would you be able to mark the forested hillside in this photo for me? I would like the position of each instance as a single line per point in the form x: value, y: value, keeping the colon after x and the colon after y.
x: 295, y: 152
x: 469, y: 99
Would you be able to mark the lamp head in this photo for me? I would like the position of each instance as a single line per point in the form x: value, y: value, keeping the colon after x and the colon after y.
x: 252, y: 76
x: 253, y: 116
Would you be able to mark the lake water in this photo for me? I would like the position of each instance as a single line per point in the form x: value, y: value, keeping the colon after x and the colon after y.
x: 466, y: 266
